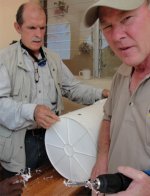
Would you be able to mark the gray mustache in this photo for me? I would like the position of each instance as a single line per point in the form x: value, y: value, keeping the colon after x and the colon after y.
x: 36, y: 39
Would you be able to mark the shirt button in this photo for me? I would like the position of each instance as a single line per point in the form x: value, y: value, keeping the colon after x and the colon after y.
x: 131, y: 103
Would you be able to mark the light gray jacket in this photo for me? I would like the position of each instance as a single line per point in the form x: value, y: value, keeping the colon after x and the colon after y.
x: 15, y: 89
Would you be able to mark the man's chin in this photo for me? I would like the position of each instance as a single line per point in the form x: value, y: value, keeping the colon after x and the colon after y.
x: 36, y: 48
x: 131, y: 62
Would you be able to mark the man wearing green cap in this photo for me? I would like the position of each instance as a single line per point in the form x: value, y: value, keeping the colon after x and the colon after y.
x: 125, y: 131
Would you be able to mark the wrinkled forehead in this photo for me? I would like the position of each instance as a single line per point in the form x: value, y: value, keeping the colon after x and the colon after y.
x: 36, y: 16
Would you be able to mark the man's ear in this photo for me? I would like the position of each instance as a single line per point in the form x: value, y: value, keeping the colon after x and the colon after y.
x: 17, y: 27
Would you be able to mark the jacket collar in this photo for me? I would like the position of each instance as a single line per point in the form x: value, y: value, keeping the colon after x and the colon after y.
x: 21, y: 62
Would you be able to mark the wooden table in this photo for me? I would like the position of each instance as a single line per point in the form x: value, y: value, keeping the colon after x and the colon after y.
x: 47, y: 182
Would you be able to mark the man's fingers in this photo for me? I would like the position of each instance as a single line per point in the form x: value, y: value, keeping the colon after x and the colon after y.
x: 44, y: 116
x: 131, y: 172
x: 46, y: 122
x: 53, y: 116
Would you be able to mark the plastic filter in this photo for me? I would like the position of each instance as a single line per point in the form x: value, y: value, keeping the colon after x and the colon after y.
x: 71, y: 143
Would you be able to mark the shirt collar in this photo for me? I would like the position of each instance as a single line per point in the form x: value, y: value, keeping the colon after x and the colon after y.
x: 124, y: 70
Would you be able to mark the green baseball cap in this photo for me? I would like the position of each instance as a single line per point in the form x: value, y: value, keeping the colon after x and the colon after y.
x: 91, y: 14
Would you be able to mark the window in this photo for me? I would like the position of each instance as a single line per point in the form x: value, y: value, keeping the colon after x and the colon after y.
x: 58, y: 39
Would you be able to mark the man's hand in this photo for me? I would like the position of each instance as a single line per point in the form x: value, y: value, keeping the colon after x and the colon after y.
x: 105, y: 93
x: 140, y: 186
x: 44, y: 117
x: 11, y: 186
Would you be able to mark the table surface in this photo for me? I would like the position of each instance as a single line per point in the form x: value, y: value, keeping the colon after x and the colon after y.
x: 47, y: 182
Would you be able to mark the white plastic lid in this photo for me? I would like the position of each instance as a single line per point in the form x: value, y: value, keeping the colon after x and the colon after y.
x: 71, y: 143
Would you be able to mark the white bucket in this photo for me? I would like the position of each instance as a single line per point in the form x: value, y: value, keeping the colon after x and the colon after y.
x: 71, y: 143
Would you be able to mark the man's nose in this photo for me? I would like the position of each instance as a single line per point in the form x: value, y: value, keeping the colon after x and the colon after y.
x: 39, y: 32
x: 118, y: 33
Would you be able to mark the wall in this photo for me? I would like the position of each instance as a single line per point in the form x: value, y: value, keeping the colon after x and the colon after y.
x: 8, y: 10
x: 79, y: 62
